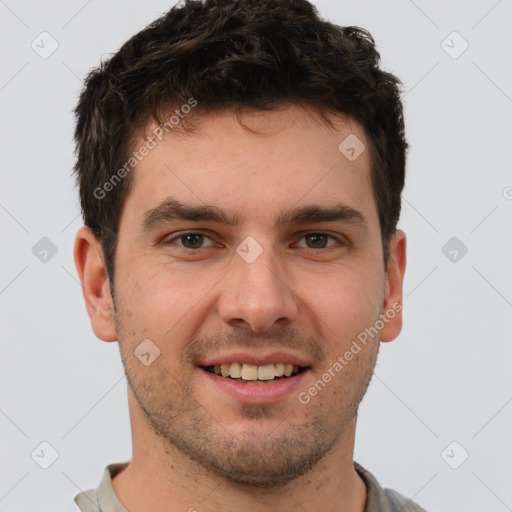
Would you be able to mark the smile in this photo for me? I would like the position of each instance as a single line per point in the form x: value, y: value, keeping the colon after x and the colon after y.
x: 245, y: 372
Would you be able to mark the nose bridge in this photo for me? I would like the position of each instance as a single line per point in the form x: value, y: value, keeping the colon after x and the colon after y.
x: 261, y: 274
x: 257, y: 292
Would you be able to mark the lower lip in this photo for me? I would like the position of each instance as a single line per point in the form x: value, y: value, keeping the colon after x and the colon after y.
x: 264, y: 393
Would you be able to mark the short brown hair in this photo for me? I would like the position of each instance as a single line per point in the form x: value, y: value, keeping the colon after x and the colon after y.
x: 232, y: 54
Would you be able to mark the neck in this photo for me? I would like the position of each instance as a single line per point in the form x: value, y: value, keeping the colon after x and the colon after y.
x: 161, y: 478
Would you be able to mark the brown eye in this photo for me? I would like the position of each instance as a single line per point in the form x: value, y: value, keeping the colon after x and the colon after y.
x: 318, y: 240
x: 190, y: 240
x: 193, y: 241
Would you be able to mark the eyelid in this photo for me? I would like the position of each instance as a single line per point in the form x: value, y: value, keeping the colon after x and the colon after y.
x: 339, y: 238
x: 178, y: 236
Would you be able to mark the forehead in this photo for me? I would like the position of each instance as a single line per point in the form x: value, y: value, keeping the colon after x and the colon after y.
x: 255, y: 165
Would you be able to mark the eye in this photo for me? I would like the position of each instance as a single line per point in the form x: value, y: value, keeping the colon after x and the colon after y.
x: 190, y: 240
x: 319, y: 240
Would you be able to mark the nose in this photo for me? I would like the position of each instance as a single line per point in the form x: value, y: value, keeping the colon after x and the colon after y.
x: 257, y: 295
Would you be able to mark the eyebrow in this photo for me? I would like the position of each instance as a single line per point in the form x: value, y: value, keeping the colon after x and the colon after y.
x: 172, y: 210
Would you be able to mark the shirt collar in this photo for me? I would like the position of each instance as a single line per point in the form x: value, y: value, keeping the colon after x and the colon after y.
x: 106, y: 500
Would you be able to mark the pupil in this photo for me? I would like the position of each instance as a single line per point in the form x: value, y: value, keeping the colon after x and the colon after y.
x: 315, y: 237
x: 195, y: 240
x: 193, y: 237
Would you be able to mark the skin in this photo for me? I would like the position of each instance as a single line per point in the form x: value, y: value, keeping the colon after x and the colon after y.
x: 193, y: 445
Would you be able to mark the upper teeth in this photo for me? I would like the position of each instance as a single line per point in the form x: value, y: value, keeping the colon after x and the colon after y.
x: 254, y: 372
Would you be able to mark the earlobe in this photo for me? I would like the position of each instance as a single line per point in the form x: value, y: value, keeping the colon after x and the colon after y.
x: 89, y: 262
x: 393, y: 295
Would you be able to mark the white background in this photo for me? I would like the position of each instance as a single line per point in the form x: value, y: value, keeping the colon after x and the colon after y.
x: 446, y: 378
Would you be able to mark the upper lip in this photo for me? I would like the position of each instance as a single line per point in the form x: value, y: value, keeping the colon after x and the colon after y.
x: 258, y: 359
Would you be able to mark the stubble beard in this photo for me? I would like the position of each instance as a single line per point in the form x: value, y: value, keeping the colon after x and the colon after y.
x: 260, y: 457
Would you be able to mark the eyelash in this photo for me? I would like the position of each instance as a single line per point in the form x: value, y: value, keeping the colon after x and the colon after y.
x: 181, y: 235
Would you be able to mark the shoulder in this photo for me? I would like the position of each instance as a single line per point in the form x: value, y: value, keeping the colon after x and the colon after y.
x: 87, y: 501
x: 399, y: 502
x: 384, y: 500
x: 104, y: 497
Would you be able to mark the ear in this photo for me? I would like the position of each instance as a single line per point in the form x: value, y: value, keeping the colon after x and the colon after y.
x: 392, y: 309
x: 89, y: 262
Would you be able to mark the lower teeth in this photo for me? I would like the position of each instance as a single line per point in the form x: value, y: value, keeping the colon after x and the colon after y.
x: 256, y: 381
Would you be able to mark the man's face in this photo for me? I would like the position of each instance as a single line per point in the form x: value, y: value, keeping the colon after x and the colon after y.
x: 273, y: 287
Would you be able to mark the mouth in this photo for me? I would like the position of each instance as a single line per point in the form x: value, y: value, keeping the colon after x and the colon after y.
x: 247, y: 373
x: 266, y: 377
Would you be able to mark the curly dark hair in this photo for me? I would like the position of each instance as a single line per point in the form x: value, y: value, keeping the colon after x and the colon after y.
x: 234, y: 54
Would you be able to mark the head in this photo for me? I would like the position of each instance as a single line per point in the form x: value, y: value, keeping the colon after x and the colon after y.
x: 229, y: 118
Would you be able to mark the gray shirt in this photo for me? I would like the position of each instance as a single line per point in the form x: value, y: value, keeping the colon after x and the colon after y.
x: 104, y: 499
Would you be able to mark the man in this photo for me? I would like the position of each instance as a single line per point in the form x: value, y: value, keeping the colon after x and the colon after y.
x: 240, y: 166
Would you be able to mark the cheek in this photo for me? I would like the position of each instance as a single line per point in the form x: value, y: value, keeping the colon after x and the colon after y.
x: 343, y: 303
x: 174, y: 291
x: 164, y: 301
